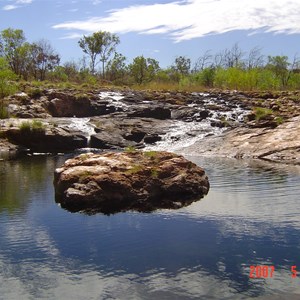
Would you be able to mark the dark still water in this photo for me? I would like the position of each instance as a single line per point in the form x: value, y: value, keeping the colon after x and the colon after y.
x: 251, y: 216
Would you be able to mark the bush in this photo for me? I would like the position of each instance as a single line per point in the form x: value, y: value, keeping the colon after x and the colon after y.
x: 4, y: 114
x: 35, y: 126
x: 262, y: 113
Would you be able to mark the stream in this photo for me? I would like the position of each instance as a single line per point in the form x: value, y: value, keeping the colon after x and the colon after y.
x: 240, y: 241
x: 251, y: 217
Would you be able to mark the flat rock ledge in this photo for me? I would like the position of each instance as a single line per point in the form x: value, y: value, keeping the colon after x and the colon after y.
x: 135, y: 180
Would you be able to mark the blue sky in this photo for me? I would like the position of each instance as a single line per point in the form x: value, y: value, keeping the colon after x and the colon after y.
x: 160, y: 29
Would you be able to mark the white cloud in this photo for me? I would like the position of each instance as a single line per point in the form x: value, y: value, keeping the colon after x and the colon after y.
x: 188, y: 19
x: 17, y: 4
x: 72, y: 36
x: 9, y: 7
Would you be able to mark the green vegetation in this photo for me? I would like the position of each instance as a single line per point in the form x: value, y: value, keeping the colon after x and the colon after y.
x: 154, y: 173
x: 35, y: 126
x: 229, y: 69
x: 130, y: 149
x: 262, y: 113
x: 101, y: 43
x: 135, y: 169
x: 7, y: 86
x: 150, y: 154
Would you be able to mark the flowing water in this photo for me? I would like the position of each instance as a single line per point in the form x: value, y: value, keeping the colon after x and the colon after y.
x: 251, y: 217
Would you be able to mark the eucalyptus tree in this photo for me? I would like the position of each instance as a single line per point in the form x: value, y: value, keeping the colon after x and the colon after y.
x: 43, y: 59
x: 100, y: 44
x: 143, y: 69
x: 116, y: 68
x: 182, y: 65
x: 6, y: 86
x: 13, y: 48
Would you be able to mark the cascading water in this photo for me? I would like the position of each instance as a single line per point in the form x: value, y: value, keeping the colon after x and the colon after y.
x: 82, y: 125
x: 115, y: 99
x: 183, y: 134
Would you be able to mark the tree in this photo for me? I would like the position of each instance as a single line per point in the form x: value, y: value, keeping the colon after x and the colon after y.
x: 279, y: 65
x: 102, y: 44
x: 6, y: 87
x: 116, y: 68
x: 255, y: 59
x: 143, y: 69
x: 182, y: 65
x: 43, y: 59
x: 12, y: 48
x: 203, y: 61
x: 233, y: 58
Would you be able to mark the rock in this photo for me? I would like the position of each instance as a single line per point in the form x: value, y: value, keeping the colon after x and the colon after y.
x: 107, y: 140
x: 141, y: 181
x: 48, y: 142
x: 280, y: 144
x: 157, y: 112
x: 48, y: 139
x: 69, y: 107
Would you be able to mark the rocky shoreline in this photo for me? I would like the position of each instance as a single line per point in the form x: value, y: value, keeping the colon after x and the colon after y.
x: 220, y: 123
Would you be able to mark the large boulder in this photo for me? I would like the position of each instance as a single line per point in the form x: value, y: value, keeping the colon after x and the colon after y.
x: 141, y: 181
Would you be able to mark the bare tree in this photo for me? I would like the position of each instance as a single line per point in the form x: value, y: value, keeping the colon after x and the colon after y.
x: 255, y: 59
x: 203, y: 61
x: 218, y: 59
x: 233, y: 57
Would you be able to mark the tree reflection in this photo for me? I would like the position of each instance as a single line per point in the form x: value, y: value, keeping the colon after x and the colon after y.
x: 20, y: 179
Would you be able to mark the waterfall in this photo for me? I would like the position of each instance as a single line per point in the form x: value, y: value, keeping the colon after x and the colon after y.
x: 82, y: 125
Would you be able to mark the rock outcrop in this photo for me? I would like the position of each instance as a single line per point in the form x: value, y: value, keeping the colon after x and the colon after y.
x: 141, y: 181
x: 114, y: 119
x: 280, y: 144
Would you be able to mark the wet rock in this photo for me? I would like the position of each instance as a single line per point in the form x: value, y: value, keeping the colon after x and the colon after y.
x: 56, y: 140
x: 107, y: 140
x: 141, y: 181
x: 157, y: 112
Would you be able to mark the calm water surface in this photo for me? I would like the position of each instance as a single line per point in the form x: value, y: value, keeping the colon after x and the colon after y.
x: 251, y: 216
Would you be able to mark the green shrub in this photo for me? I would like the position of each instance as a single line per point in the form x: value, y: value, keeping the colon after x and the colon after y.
x: 261, y: 113
x: 25, y: 127
x: 130, y: 149
x: 32, y: 127
x: 4, y: 114
x: 35, y: 93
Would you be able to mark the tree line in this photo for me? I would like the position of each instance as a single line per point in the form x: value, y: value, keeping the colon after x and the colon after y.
x: 230, y: 68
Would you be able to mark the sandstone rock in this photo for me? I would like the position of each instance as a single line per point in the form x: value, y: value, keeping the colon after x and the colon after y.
x: 280, y: 144
x: 141, y: 181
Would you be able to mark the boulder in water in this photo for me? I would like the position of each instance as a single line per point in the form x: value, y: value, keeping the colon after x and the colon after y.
x: 135, y: 180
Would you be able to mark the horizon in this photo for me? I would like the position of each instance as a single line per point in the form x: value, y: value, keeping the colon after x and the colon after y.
x: 160, y: 29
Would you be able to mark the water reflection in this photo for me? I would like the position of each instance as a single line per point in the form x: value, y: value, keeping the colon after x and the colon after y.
x: 250, y: 217
x: 23, y: 179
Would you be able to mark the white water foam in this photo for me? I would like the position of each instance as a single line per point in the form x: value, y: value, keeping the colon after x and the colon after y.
x: 115, y: 99
x: 82, y: 125
x: 184, y: 134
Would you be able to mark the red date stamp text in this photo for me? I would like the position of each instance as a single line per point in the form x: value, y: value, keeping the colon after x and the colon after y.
x: 264, y: 271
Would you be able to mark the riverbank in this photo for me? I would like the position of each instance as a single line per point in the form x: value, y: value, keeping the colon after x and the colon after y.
x: 217, y: 123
